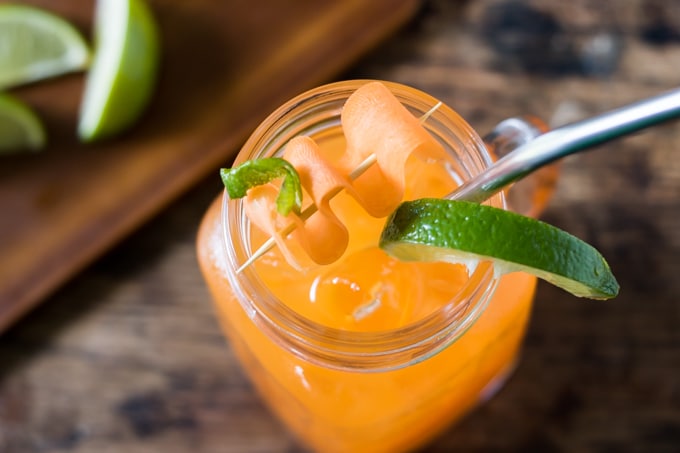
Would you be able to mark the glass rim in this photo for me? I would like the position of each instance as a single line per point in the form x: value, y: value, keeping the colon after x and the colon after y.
x: 338, y: 348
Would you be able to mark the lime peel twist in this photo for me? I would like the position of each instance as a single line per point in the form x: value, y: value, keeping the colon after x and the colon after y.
x: 238, y: 180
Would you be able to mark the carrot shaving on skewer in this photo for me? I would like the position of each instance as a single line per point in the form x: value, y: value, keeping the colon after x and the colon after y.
x: 375, y: 122
x: 324, y: 237
x: 377, y: 128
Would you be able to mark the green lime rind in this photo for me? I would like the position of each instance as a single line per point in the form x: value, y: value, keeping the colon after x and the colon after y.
x: 256, y: 172
x: 36, y: 44
x: 461, y: 231
x: 123, y: 73
x: 20, y: 127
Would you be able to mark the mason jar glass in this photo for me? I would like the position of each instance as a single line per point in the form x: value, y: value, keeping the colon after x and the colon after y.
x: 363, y: 391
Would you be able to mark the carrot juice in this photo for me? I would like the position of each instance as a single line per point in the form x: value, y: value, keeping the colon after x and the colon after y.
x: 365, y: 354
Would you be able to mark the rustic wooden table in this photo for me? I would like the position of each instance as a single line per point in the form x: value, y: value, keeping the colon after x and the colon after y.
x: 128, y: 357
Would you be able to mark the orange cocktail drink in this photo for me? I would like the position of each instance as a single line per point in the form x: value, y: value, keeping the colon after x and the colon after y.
x: 367, y: 353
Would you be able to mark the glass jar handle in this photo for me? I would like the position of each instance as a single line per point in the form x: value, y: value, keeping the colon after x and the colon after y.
x: 530, y: 195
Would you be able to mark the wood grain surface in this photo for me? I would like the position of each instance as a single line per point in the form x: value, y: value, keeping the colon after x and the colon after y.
x: 127, y: 357
x: 225, y: 66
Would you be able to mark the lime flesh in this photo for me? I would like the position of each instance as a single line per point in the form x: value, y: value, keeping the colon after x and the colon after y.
x: 36, y: 44
x: 121, y: 79
x: 20, y: 128
x: 465, y: 232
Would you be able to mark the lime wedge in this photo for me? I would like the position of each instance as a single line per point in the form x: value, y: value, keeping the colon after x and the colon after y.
x: 20, y: 128
x: 35, y: 44
x: 123, y: 73
x: 465, y: 232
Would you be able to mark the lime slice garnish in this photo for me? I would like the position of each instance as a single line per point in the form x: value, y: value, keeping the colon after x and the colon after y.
x: 35, y: 44
x: 20, y: 128
x: 465, y: 232
x: 123, y: 73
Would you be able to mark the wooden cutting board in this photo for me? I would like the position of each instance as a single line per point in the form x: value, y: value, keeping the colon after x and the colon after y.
x: 225, y: 66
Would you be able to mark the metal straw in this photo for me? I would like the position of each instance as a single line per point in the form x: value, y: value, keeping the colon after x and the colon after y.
x: 567, y: 140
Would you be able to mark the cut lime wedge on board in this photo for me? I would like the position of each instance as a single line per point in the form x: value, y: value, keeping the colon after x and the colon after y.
x: 36, y: 44
x: 123, y: 73
x: 20, y: 128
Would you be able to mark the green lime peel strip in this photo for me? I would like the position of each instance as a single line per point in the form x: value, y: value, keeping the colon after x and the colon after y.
x: 462, y: 231
x: 238, y: 180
